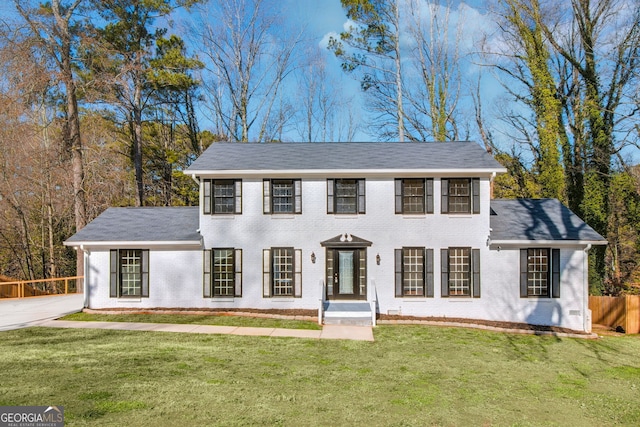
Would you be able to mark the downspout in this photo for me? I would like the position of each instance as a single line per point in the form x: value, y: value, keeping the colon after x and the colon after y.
x: 493, y: 176
x: 87, y: 271
x: 587, y: 320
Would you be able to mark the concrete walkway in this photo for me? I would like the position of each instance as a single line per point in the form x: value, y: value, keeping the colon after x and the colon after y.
x: 340, y: 332
x: 18, y: 313
x: 42, y: 311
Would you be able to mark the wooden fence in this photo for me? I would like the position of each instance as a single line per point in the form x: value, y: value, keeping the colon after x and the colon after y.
x: 31, y: 288
x: 616, y: 311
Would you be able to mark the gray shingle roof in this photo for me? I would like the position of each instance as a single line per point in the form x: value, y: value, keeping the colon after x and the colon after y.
x: 157, y: 224
x: 538, y: 219
x: 344, y: 156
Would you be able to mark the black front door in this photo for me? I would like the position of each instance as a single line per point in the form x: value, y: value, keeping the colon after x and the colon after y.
x: 345, y: 274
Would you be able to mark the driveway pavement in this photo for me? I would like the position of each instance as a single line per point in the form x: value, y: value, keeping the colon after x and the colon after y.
x: 23, y: 312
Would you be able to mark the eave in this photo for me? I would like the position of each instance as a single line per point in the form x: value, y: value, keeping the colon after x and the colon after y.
x: 178, y: 244
x: 510, y: 244
x: 346, y: 173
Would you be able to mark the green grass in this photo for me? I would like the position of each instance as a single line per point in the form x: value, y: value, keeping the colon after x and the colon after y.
x: 218, y: 320
x: 410, y: 376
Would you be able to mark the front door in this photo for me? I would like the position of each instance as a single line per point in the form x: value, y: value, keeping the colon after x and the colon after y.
x: 346, y: 274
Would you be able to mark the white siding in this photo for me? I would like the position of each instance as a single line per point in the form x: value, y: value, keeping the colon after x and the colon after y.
x: 176, y: 276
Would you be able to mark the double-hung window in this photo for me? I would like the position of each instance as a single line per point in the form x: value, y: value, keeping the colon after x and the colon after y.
x: 282, y: 272
x: 282, y: 196
x: 222, y: 273
x: 346, y: 196
x: 460, y: 195
x: 414, y: 272
x: 460, y: 272
x: 540, y: 273
x: 222, y: 196
x: 414, y: 196
x: 129, y: 273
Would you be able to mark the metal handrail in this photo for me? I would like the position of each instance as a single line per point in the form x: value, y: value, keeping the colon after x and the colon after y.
x: 372, y: 297
x: 321, y: 307
x: 18, y: 286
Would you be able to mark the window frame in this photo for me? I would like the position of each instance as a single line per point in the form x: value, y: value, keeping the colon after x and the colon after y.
x: 218, y: 282
x: 117, y: 273
x: 209, y: 273
x: 209, y: 196
x: 269, y: 271
x: 552, y: 275
x: 473, y: 273
x: 426, y: 273
x: 289, y: 272
x: 448, y: 199
x: 359, y: 197
x: 269, y: 198
x: 401, y: 196
x: 466, y: 275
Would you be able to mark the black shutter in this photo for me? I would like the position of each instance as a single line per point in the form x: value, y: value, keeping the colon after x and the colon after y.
x: 266, y: 273
x: 266, y: 196
x: 398, y: 194
x: 398, y: 267
x: 444, y: 202
x: 428, y: 272
x: 444, y: 272
x: 238, y: 196
x: 524, y: 256
x: 297, y: 273
x: 238, y: 272
x: 297, y: 196
x: 475, y: 268
x: 330, y: 207
x: 429, y: 195
x: 144, y: 279
x: 113, y: 273
x: 362, y: 185
x: 475, y: 191
x: 555, y: 273
x: 206, y: 196
x: 206, y: 273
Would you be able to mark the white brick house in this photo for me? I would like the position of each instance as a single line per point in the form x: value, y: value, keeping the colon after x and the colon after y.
x: 408, y: 228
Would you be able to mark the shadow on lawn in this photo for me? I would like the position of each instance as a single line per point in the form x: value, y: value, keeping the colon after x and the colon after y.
x: 531, y: 348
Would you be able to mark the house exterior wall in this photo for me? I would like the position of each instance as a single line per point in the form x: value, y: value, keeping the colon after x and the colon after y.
x: 175, y: 280
x: 176, y: 277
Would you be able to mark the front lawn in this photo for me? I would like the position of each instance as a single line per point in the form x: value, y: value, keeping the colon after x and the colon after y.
x: 411, y: 375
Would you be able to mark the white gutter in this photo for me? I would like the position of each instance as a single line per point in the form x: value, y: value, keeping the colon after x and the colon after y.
x: 545, y: 243
x: 358, y: 173
x: 183, y: 244
x: 87, y: 271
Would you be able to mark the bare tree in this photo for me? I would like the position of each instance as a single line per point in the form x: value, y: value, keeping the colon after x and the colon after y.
x: 325, y: 113
x: 371, y: 48
x: 432, y: 99
x: 249, y: 54
x: 54, y: 27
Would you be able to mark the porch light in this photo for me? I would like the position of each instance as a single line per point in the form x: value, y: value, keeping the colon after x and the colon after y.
x: 378, y: 259
x: 313, y: 257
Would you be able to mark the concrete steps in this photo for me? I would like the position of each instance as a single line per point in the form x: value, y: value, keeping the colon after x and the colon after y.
x: 347, y: 313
